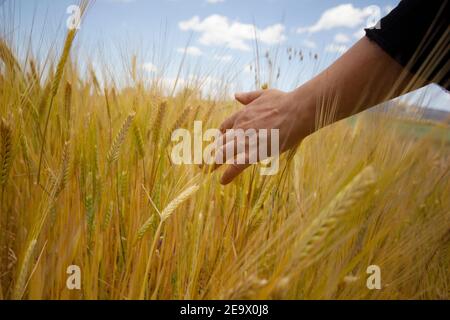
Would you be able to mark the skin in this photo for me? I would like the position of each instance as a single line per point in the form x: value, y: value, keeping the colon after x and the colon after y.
x: 361, y: 78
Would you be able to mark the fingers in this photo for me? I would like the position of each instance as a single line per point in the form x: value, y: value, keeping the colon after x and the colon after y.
x: 248, y: 97
x: 228, y: 123
x: 232, y: 172
x: 238, y: 155
x: 245, y: 98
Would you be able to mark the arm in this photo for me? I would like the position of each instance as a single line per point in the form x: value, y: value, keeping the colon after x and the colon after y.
x: 361, y: 78
x: 409, y: 50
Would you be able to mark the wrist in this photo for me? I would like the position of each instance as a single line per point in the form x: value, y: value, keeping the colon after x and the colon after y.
x: 304, y: 102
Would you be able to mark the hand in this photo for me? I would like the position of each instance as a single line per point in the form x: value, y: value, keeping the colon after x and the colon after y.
x: 292, y: 113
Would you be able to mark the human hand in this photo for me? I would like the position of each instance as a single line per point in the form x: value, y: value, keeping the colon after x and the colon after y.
x: 292, y: 113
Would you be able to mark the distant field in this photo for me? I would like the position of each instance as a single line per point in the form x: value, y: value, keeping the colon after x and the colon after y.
x: 418, y: 129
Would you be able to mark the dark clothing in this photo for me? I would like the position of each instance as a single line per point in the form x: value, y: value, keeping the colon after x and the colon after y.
x: 417, y: 35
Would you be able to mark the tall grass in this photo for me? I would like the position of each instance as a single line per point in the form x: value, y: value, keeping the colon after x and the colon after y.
x: 110, y: 200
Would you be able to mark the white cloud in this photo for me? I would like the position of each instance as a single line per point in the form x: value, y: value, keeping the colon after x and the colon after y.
x: 341, y: 38
x: 248, y: 68
x: 223, y: 58
x: 344, y: 15
x: 359, y: 34
x: 336, y: 48
x: 309, y: 44
x: 120, y: 1
x: 388, y: 8
x: 215, y: 1
x: 217, y: 30
x: 191, y: 50
x: 149, y: 67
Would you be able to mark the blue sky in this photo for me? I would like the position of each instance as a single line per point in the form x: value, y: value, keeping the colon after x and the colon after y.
x: 218, y: 35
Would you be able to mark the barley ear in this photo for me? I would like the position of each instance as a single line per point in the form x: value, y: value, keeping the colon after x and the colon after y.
x: 19, y: 287
x: 175, y: 203
x: 138, y: 140
x: 337, y: 208
x: 145, y: 227
x: 6, y: 151
x: 63, y: 174
x: 67, y: 101
x: 8, y: 57
x: 62, y: 61
x: 157, y: 125
x: 54, y: 89
x: 113, y: 153
x: 108, y: 216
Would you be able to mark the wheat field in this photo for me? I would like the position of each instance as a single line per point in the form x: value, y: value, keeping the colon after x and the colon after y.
x: 86, y: 179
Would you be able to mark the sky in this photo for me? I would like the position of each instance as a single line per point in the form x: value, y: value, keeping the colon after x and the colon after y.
x: 215, y: 39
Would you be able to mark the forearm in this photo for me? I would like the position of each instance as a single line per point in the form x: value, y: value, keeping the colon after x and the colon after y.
x: 362, y: 78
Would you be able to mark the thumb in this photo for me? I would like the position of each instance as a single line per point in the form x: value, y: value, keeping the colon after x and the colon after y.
x: 248, y: 97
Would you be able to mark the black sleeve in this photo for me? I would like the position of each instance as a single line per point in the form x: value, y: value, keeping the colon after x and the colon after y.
x: 416, y: 34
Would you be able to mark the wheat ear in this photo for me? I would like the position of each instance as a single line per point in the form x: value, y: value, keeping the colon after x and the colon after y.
x: 67, y: 101
x: 340, y: 205
x: 262, y: 197
x: 54, y: 89
x: 164, y: 215
x: 158, y: 122
x: 177, y: 124
x: 63, y: 174
x: 23, y: 273
x: 145, y: 227
x: 6, y: 151
x: 7, y: 56
x: 62, y: 61
x: 113, y: 152
x: 175, y: 203
x: 138, y: 140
